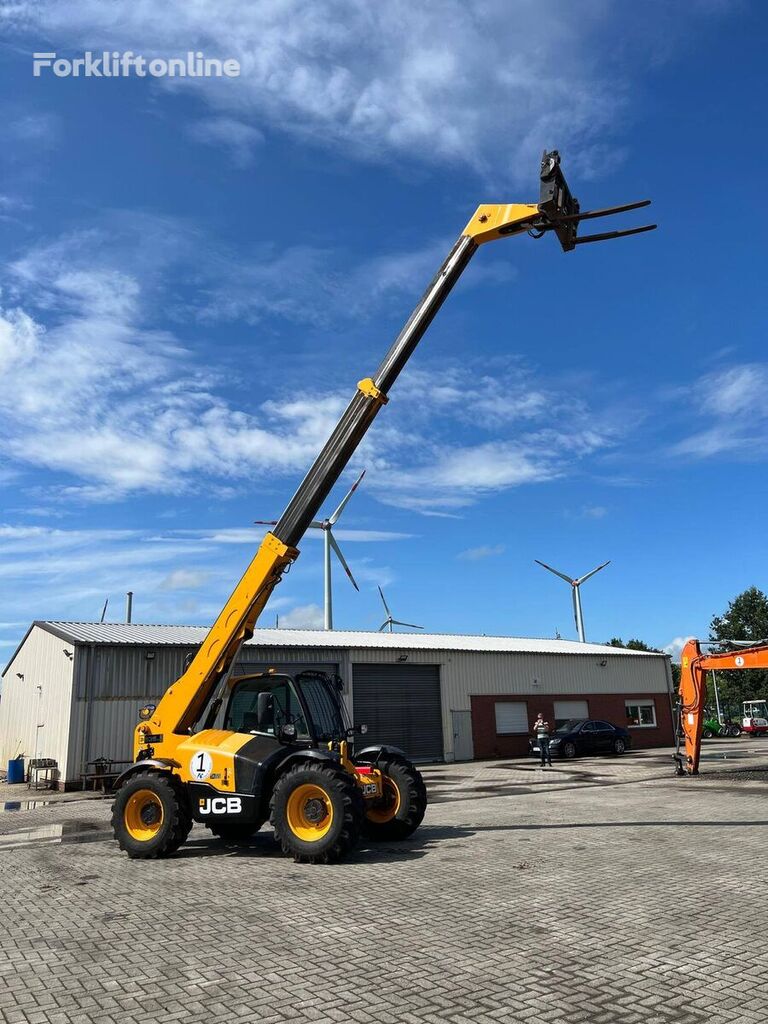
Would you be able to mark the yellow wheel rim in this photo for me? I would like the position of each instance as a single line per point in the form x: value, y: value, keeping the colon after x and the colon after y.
x: 387, y: 810
x: 309, y: 812
x: 143, y: 815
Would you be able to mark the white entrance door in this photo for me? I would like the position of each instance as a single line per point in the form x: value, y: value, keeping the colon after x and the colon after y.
x: 463, y: 749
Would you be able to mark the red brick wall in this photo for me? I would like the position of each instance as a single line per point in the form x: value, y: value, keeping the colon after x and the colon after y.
x: 609, y: 707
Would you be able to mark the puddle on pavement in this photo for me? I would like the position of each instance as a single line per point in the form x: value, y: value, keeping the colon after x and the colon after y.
x: 61, y: 833
x: 24, y: 805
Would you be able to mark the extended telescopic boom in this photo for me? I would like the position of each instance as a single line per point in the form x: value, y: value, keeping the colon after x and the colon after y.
x: 557, y: 210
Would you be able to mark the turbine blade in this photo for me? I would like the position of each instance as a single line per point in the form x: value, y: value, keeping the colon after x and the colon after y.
x: 592, y: 573
x: 383, y: 626
x: 386, y: 606
x: 413, y: 625
x: 555, y: 571
x: 341, y: 507
x: 265, y: 522
x: 342, y: 559
x: 104, y: 610
x: 316, y: 525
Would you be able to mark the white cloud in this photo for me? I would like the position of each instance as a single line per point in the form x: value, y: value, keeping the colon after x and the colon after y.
x: 239, y: 138
x: 121, y: 407
x: 675, y: 646
x: 303, y: 616
x: 184, y: 579
x: 732, y: 401
x: 482, y: 552
x: 486, y: 84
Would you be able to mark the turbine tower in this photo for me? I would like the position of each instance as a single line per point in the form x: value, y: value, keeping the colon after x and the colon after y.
x: 576, y: 587
x: 389, y: 622
x: 329, y: 541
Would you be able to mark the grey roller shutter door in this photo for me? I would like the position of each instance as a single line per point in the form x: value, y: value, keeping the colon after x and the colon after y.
x: 401, y: 705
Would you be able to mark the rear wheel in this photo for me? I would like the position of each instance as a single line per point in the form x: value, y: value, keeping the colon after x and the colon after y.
x: 569, y: 751
x: 317, y: 812
x: 734, y: 730
x: 619, y: 746
x: 402, y: 808
x: 149, y: 818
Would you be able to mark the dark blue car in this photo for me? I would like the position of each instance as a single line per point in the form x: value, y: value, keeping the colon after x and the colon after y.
x: 580, y: 736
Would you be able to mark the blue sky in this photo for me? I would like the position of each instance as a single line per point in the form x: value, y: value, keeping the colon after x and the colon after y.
x: 196, y: 273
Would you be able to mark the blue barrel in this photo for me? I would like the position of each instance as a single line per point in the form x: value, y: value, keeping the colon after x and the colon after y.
x: 16, y: 770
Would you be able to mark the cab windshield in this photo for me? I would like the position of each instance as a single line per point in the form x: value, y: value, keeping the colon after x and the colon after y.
x: 284, y: 708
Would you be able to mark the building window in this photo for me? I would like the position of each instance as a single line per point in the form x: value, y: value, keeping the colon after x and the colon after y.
x: 641, y: 714
x: 511, y: 717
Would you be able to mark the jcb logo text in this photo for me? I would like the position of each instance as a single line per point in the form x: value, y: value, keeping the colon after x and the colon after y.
x: 221, y: 805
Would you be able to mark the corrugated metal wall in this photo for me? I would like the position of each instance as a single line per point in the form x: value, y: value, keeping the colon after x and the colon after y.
x: 113, y: 682
x: 43, y: 663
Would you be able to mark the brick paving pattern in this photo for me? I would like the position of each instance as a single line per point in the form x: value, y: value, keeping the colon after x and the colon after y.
x: 604, y: 891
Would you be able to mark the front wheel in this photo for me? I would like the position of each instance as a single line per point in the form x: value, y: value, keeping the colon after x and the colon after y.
x: 149, y: 819
x: 706, y: 734
x: 316, y: 812
x: 569, y: 751
x: 401, y: 810
x: 734, y: 730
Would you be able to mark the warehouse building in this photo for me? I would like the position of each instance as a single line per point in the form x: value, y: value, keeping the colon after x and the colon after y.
x: 72, y: 690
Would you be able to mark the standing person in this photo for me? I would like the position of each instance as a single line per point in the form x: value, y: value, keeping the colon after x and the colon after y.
x: 541, y: 730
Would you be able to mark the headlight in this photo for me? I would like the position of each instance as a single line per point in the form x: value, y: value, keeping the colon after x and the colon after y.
x: 553, y: 743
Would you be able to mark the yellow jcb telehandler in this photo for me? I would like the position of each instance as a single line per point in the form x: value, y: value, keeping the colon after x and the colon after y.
x: 233, y: 752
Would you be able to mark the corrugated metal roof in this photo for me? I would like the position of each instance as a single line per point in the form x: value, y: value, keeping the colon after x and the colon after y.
x: 138, y: 633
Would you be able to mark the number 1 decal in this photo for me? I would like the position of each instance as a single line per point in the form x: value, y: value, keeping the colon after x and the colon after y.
x: 201, y: 766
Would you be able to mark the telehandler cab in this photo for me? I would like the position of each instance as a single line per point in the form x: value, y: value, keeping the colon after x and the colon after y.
x: 229, y: 752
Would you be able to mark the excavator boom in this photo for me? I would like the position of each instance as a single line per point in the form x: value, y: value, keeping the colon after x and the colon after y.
x: 693, y: 692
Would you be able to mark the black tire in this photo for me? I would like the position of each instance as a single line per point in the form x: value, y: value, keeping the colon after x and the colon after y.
x: 407, y: 802
x: 319, y: 828
x: 150, y: 802
x: 235, y: 832
x: 706, y: 734
x: 619, y: 746
x: 569, y: 751
x: 734, y: 730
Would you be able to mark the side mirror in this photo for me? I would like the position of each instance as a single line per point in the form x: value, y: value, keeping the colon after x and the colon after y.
x: 265, y: 710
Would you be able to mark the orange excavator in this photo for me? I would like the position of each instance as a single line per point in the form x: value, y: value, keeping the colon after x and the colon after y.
x: 693, y: 692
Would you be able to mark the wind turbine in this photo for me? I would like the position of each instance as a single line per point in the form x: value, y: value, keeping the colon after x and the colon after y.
x: 389, y: 621
x: 576, y: 585
x: 329, y: 541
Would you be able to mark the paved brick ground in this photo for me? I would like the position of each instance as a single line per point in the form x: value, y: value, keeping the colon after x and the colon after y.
x: 605, y: 891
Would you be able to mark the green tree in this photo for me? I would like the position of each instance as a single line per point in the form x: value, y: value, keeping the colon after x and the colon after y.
x: 745, y: 618
x: 633, y: 645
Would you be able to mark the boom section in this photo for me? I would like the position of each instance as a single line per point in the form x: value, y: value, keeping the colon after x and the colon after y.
x: 693, y: 692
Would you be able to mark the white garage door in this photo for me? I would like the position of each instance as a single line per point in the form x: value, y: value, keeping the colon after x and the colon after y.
x: 565, y: 709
